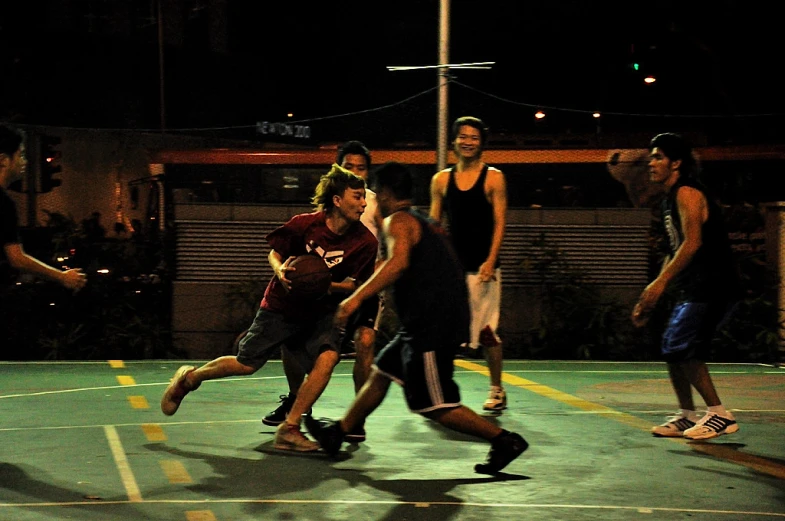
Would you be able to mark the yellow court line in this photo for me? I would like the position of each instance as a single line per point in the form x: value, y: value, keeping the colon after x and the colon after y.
x: 756, y: 463
x: 116, y: 364
x: 559, y: 396
x: 153, y: 432
x: 175, y: 471
x: 138, y: 402
x: 126, y: 380
x: 200, y: 515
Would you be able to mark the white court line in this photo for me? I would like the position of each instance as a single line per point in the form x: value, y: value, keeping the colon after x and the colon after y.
x: 95, y: 426
x: 616, y: 371
x: 340, y: 375
x: 154, y: 384
x: 126, y: 475
x: 522, y: 506
x: 511, y: 361
x: 528, y: 413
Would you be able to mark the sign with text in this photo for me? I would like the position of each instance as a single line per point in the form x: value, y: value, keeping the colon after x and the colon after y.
x: 272, y: 128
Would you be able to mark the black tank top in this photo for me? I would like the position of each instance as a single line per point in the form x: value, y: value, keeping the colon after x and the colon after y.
x: 470, y: 218
x: 711, y: 274
x: 431, y: 298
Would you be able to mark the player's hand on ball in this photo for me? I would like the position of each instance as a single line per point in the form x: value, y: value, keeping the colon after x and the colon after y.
x: 281, y: 273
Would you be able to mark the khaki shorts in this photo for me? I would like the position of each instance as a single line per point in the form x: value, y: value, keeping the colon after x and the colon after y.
x: 305, y: 341
x: 485, y: 300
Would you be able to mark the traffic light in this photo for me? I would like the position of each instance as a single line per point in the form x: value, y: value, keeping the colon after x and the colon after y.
x: 49, y: 163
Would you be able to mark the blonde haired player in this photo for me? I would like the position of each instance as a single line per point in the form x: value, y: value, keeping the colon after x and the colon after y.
x: 355, y: 157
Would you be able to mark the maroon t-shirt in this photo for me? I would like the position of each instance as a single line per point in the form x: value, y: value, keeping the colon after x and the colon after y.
x: 349, y: 255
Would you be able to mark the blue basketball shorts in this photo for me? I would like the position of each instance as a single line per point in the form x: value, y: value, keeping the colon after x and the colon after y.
x: 691, y: 327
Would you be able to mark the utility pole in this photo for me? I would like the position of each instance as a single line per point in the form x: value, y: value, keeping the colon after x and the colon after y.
x: 161, y: 98
x: 443, y: 82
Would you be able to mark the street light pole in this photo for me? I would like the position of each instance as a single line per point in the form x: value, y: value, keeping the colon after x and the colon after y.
x: 443, y: 82
x: 161, y: 91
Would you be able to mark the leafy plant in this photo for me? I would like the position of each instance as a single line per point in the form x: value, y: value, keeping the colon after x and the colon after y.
x: 123, y: 312
x: 575, y: 321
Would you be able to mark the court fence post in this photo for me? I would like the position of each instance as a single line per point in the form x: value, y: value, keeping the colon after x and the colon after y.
x: 775, y: 258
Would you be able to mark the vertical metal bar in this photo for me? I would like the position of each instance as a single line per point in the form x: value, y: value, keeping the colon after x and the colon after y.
x: 443, y: 80
x: 161, y: 65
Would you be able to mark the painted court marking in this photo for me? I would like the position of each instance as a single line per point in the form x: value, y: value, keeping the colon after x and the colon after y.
x: 121, y: 461
x: 177, y: 473
x: 718, y: 451
x: 138, y: 402
x: 462, y: 504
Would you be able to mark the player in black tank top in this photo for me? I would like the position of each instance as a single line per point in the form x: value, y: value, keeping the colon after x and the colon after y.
x: 470, y: 218
x: 430, y: 297
x: 476, y: 218
x: 434, y: 280
x: 699, y: 268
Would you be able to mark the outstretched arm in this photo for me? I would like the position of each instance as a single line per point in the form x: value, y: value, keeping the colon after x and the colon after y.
x: 402, y: 232
x: 72, y: 279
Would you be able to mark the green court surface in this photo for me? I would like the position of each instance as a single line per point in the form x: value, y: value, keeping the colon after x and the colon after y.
x: 87, y: 441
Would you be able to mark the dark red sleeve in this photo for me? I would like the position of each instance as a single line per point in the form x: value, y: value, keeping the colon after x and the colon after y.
x: 287, y: 240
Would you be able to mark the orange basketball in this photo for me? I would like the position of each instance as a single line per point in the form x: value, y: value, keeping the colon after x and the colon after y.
x: 310, y: 278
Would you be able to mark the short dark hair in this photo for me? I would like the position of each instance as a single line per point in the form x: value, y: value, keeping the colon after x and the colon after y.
x: 353, y: 147
x: 397, y: 178
x: 11, y: 140
x: 676, y: 148
x: 472, y: 122
x: 335, y: 182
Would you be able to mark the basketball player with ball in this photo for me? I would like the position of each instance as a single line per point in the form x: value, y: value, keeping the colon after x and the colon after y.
x: 355, y: 157
x: 292, y: 316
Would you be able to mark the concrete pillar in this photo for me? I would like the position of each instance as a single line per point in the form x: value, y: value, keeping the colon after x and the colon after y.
x: 775, y: 258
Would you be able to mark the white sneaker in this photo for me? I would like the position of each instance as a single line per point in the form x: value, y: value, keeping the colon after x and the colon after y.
x: 674, y: 427
x: 176, y: 390
x: 711, y: 426
x: 289, y: 437
x: 497, y: 401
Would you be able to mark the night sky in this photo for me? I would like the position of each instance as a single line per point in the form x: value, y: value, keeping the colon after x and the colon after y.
x: 717, y: 65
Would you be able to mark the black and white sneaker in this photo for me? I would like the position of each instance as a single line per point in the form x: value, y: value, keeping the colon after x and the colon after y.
x: 327, y: 432
x: 504, y: 448
x: 674, y: 427
x: 711, y: 426
x: 278, y: 416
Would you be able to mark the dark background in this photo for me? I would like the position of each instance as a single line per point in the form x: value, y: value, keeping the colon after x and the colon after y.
x: 231, y: 63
